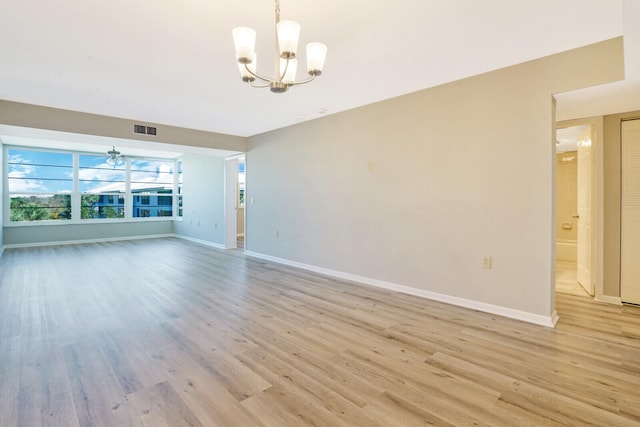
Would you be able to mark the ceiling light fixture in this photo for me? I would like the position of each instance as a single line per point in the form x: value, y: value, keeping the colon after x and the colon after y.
x: 287, y: 33
x: 114, y: 159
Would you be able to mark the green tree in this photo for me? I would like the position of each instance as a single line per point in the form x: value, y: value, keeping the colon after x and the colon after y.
x: 87, y: 209
x: 28, y: 209
x: 110, y: 212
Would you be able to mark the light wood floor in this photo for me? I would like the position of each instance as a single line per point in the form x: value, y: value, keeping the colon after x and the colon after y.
x: 567, y: 278
x: 169, y: 333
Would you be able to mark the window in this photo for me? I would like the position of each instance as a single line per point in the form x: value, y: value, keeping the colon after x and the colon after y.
x: 44, y: 185
x: 241, y: 181
x: 102, y: 188
x: 40, y: 184
x: 152, y: 184
x: 179, y: 195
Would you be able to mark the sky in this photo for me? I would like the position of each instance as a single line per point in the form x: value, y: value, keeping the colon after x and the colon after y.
x: 32, y: 171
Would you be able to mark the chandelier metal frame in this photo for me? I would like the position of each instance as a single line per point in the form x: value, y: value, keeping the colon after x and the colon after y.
x: 286, y: 65
x: 115, y: 158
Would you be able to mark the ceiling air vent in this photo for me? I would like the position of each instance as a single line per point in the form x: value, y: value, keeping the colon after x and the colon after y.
x: 148, y: 130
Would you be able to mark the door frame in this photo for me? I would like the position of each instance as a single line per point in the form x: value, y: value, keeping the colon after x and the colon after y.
x: 582, y: 150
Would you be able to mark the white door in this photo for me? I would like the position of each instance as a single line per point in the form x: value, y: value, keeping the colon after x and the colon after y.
x: 630, y: 213
x: 584, y: 211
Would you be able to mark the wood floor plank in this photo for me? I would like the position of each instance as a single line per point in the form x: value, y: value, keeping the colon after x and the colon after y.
x: 174, y: 333
x: 95, y: 391
x: 190, y: 376
x: 10, y: 373
x: 161, y: 406
x: 298, y: 389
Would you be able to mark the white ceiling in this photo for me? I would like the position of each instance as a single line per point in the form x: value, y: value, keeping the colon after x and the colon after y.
x: 172, y: 61
x: 567, y: 138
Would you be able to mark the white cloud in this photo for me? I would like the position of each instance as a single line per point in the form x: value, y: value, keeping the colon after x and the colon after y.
x: 19, y: 174
x: 26, y: 185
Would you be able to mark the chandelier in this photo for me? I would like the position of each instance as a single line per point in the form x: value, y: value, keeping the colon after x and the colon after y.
x: 287, y: 33
x: 114, y: 158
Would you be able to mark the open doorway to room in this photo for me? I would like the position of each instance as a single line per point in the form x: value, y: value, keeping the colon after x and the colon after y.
x: 574, y: 210
x: 235, y: 182
x: 240, y: 216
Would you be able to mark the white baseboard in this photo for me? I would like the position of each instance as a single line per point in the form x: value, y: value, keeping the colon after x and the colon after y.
x: 554, y: 319
x: 608, y: 299
x: 77, y: 242
x: 548, y: 321
x: 199, y: 241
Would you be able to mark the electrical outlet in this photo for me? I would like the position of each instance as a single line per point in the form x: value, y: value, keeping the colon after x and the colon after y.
x: 277, y: 233
x: 486, y: 261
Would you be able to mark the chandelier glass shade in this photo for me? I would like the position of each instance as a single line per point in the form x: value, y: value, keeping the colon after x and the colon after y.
x: 287, y: 35
x: 114, y: 158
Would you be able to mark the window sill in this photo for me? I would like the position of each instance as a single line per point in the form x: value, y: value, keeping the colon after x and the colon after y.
x: 62, y: 223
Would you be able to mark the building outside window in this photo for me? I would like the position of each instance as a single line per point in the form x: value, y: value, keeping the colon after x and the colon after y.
x: 153, y: 181
x: 102, y: 188
x: 179, y: 186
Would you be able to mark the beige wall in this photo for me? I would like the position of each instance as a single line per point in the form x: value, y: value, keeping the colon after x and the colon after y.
x: 38, y: 117
x: 612, y: 196
x: 567, y: 195
x: 203, y: 199
x: 415, y: 190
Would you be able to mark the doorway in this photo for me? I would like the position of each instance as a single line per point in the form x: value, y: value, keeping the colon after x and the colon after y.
x: 574, y: 207
x: 235, y: 184
x: 240, y: 214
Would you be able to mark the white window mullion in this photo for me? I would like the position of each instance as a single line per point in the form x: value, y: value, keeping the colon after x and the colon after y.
x: 75, y: 196
x: 128, y: 197
x: 176, y: 188
x: 6, y: 203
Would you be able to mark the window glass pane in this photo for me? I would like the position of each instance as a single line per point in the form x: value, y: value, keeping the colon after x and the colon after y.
x: 97, y: 176
x: 41, y: 207
x: 155, y: 204
x: 39, y: 171
x: 152, y: 188
x: 98, y: 206
x: 180, y: 188
x: 241, y: 185
x: 151, y: 174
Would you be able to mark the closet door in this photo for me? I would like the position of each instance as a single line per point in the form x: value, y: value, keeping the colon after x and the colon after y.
x: 630, y: 213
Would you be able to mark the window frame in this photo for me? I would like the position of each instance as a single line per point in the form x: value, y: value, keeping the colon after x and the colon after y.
x: 8, y: 194
x: 76, y: 194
